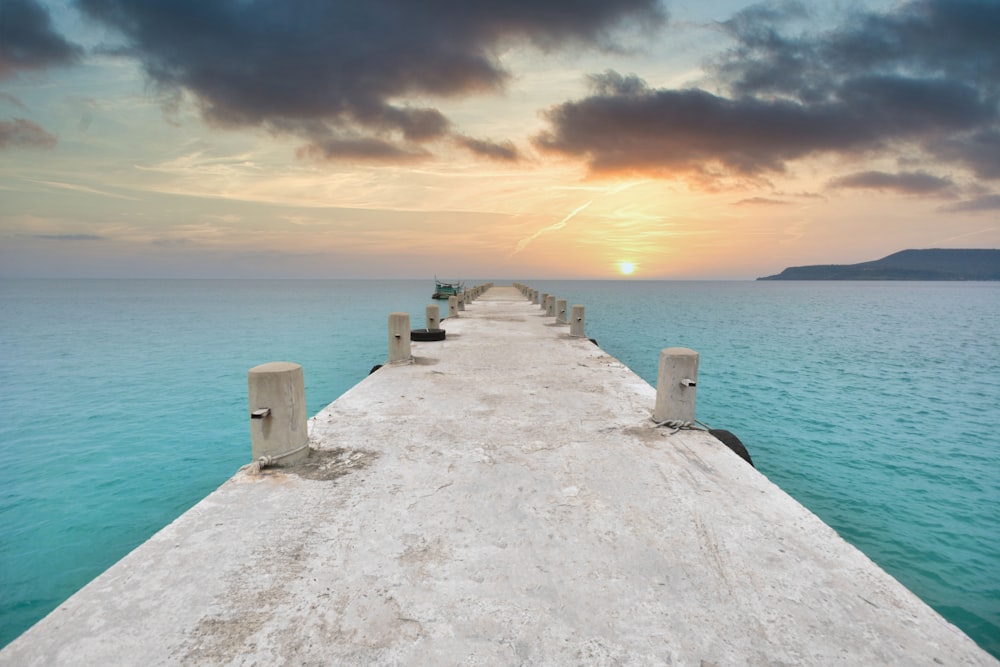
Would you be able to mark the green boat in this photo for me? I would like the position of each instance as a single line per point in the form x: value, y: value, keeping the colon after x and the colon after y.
x: 443, y: 290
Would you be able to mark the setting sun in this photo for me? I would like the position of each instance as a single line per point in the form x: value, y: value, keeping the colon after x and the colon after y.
x: 627, y: 268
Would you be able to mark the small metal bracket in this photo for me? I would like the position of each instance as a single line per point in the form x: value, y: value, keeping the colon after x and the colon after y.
x: 260, y: 413
x: 688, y: 383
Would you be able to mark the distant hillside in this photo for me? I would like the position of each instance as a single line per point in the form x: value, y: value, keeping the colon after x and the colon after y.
x: 933, y: 264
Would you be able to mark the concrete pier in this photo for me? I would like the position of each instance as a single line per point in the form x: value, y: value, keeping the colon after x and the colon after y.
x: 504, y: 499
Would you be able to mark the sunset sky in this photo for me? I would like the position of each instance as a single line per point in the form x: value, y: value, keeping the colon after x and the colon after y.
x: 478, y: 139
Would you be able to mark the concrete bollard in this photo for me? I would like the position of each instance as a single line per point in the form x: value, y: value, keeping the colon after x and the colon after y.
x: 550, y: 305
x: 561, y: 317
x: 399, y: 338
x: 542, y: 299
x: 433, y: 317
x: 676, y: 385
x: 467, y: 297
x: 576, y: 322
x: 452, y: 306
x: 277, y: 396
x: 461, y: 302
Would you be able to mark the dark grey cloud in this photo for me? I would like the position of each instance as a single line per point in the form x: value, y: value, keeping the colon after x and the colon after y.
x: 912, y: 182
x: 28, y: 40
x: 504, y: 151
x: 627, y: 126
x: 925, y: 76
x: 978, y: 150
x: 367, y: 149
x: 934, y: 39
x: 22, y: 133
x: 335, y: 72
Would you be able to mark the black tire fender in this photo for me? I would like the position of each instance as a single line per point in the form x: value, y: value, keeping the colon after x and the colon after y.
x: 427, y: 334
x: 732, y: 442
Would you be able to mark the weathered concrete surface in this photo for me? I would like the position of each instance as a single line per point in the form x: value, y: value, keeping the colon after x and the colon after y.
x: 504, y: 500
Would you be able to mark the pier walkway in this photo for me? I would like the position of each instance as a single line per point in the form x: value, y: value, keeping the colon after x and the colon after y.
x: 505, y: 499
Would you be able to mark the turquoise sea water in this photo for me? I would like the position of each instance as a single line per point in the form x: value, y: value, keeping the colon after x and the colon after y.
x: 876, y: 405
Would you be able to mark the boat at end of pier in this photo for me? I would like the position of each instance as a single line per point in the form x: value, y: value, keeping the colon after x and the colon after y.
x: 442, y: 289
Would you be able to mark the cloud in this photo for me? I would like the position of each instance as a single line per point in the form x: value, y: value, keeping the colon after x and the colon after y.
x: 984, y: 203
x: 761, y: 201
x: 22, y: 133
x: 339, y: 73
x: 924, y: 76
x: 504, y: 151
x: 523, y: 243
x: 13, y: 101
x: 81, y: 188
x: 368, y: 149
x: 628, y: 127
x: 917, y: 182
x: 933, y: 39
x: 28, y: 40
x: 980, y: 151
x: 69, y: 237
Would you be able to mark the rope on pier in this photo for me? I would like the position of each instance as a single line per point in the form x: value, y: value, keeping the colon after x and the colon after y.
x: 265, y: 461
x: 727, y: 438
x: 679, y: 425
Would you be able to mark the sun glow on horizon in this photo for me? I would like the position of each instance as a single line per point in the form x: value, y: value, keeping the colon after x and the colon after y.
x: 626, y: 268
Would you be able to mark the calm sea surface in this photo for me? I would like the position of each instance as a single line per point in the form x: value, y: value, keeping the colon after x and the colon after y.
x: 876, y: 405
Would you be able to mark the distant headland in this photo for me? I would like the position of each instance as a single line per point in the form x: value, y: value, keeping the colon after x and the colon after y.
x: 931, y: 264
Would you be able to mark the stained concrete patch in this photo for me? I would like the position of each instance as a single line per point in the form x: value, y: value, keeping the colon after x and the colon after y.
x: 246, y: 607
x: 323, y: 465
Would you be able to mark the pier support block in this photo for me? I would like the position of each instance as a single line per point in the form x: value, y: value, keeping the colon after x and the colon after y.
x: 561, y: 315
x: 399, y: 338
x: 676, y: 385
x: 452, y: 306
x: 576, y: 322
x: 277, y: 399
x: 550, y: 305
x: 542, y: 300
x: 434, y: 317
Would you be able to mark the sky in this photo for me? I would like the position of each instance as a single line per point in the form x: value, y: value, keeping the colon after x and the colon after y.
x: 632, y: 139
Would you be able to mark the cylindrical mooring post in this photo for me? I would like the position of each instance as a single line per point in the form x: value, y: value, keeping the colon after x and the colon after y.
x: 561, y: 317
x: 676, y: 385
x: 399, y: 338
x: 542, y: 299
x: 461, y: 302
x: 467, y: 296
x: 576, y: 322
x: 550, y: 305
x: 433, y: 317
x: 277, y: 397
x: 452, y: 306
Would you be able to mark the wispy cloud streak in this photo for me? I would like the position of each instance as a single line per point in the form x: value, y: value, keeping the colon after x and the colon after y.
x: 523, y: 243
